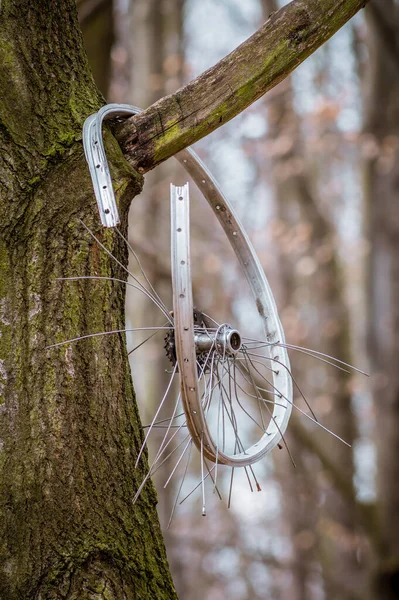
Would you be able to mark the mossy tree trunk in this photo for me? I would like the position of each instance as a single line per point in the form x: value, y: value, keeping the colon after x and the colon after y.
x: 69, y: 426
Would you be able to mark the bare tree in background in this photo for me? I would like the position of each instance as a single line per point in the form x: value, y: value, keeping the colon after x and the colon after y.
x: 313, y: 293
x: 381, y: 147
x: 96, y: 19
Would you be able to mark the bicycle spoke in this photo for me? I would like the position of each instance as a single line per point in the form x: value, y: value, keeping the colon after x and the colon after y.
x: 114, y: 331
x: 178, y: 462
x: 202, y: 476
x: 130, y: 248
x: 143, y: 342
x: 181, y: 485
x: 152, y: 471
x: 156, y: 414
x: 303, y: 412
x: 293, y: 379
x: 139, y: 288
x: 164, y: 420
x: 164, y: 310
x: 313, y: 353
x: 272, y: 416
x: 230, y: 488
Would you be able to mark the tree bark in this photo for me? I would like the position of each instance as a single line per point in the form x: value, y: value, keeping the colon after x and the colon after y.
x: 69, y: 426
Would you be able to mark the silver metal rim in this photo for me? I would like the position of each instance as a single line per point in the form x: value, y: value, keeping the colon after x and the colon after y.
x: 182, y: 292
x: 184, y: 328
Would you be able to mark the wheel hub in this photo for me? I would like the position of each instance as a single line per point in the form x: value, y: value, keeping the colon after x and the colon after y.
x: 226, y: 341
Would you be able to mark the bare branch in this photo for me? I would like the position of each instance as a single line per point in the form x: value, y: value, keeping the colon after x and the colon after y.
x: 226, y: 89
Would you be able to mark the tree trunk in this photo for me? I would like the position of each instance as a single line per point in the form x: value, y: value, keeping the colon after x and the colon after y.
x: 382, y: 196
x: 96, y: 19
x: 69, y: 425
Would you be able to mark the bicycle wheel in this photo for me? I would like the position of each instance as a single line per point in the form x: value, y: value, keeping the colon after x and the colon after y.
x: 236, y: 390
x: 222, y: 347
x: 225, y: 347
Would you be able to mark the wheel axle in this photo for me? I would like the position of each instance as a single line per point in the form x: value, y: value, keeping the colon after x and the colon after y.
x: 226, y: 341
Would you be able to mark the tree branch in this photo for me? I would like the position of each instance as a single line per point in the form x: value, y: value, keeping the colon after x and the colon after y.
x: 226, y: 89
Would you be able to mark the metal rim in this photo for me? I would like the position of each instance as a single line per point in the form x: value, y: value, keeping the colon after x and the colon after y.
x: 184, y: 329
x: 181, y: 280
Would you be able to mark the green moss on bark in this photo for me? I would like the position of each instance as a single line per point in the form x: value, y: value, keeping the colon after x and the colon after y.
x: 69, y: 425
